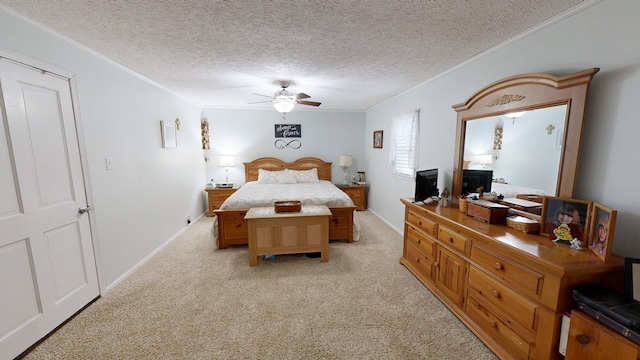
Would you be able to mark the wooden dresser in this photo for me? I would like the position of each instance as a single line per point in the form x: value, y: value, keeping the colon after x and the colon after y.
x: 508, y: 287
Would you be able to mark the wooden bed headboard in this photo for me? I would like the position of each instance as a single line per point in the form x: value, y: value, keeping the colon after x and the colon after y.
x: 273, y: 164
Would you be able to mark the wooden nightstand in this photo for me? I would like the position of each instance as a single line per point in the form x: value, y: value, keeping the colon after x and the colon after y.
x: 589, y: 339
x: 217, y: 196
x: 357, y: 194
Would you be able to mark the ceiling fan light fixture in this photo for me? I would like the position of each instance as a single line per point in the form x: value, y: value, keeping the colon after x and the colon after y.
x: 283, y: 103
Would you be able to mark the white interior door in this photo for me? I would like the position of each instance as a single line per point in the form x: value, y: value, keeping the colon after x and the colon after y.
x: 47, y: 264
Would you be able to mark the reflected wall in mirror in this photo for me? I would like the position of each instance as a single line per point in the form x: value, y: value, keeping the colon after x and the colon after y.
x: 523, y: 152
x: 534, y: 153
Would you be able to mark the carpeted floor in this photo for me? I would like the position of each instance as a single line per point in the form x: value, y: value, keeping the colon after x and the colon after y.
x: 193, y: 302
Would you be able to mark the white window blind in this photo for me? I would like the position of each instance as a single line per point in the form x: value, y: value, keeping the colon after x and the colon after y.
x: 403, y: 154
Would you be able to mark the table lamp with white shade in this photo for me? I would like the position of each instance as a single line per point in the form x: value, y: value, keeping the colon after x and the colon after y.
x: 345, y: 162
x: 226, y: 161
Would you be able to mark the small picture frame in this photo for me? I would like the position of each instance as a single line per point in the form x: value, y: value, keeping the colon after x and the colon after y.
x: 603, y: 223
x: 377, y: 139
x: 169, y: 135
x: 361, y: 178
x: 565, y: 219
x: 632, y: 278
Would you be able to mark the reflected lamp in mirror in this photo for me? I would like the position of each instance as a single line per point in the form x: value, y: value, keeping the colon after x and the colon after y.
x: 514, y: 115
x: 227, y: 161
x: 484, y: 160
x: 345, y: 161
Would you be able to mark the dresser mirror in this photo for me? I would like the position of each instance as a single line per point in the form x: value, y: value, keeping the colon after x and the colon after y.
x: 527, y: 129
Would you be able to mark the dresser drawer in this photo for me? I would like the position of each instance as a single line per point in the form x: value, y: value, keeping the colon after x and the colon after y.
x: 511, y: 303
x: 422, y: 223
x: 220, y: 197
x: 516, y: 345
x: 416, y: 238
x: 452, y: 238
x: 416, y: 255
x: 514, y: 274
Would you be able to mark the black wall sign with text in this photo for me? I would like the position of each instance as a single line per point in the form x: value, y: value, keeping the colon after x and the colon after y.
x: 288, y: 130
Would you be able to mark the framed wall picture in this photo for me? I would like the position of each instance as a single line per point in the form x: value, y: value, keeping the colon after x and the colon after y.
x: 565, y: 219
x: 169, y: 135
x: 603, y: 223
x: 377, y: 139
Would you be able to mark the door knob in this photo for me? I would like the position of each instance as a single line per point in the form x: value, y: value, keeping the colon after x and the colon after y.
x: 83, y: 210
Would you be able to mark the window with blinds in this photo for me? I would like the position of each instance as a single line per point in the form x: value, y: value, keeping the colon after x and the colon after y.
x: 404, y: 144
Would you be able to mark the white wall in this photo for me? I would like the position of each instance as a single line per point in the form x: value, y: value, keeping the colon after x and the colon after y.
x: 145, y: 199
x: 605, y: 36
x: 249, y: 134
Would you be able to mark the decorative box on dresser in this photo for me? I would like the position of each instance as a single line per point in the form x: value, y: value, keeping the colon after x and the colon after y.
x: 357, y: 193
x: 510, y: 288
x: 216, y: 196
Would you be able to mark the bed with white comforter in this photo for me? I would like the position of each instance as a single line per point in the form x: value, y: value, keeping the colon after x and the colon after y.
x: 255, y: 194
x: 270, y: 180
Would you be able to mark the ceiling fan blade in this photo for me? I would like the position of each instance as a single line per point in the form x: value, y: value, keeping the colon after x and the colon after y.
x: 302, y: 96
x: 311, y: 103
x: 260, y: 102
x: 262, y: 95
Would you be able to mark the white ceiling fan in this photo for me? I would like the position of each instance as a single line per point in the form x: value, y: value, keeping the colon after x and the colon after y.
x: 284, y: 100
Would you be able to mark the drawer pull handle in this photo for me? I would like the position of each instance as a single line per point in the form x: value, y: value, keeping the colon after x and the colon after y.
x: 499, y: 266
x: 493, y: 323
x: 583, y: 339
x: 450, y: 239
x: 495, y: 294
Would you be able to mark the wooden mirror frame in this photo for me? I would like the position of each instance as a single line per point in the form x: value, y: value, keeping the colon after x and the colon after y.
x: 530, y: 92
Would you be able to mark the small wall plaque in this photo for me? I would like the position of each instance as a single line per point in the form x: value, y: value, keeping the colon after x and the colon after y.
x: 288, y: 130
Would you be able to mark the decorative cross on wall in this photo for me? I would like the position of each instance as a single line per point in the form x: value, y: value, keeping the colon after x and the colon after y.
x: 550, y: 128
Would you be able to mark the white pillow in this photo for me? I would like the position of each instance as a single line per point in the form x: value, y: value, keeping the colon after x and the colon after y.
x: 287, y: 178
x: 306, y: 176
x: 270, y: 177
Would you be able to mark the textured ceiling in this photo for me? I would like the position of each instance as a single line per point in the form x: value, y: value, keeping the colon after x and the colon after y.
x: 347, y: 54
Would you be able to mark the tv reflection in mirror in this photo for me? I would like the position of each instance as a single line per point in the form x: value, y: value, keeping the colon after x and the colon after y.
x: 426, y: 186
x: 474, y: 179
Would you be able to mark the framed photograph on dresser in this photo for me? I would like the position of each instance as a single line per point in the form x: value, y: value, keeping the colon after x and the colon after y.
x: 564, y: 219
x: 603, y: 222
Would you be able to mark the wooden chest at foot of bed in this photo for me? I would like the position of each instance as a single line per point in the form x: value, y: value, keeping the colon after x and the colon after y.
x: 233, y: 229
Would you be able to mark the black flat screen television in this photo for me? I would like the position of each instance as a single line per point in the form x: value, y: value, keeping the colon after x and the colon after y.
x: 473, y: 179
x: 426, y: 184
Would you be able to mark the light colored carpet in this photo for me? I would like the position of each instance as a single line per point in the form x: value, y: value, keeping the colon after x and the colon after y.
x: 193, y: 302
